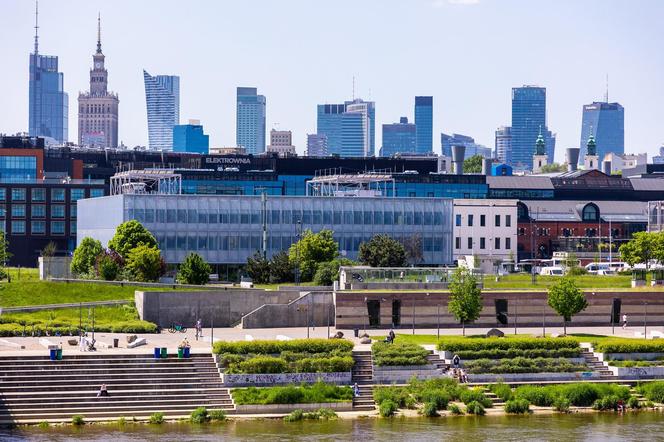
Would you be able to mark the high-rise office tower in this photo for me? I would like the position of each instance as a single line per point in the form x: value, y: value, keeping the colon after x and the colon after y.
x: 317, y: 145
x: 471, y: 147
x: 48, y: 102
x: 281, y: 143
x: 250, y: 120
x: 398, y: 138
x: 348, y: 135
x: 190, y: 138
x: 424, y: 124
x: 98, y: 108
x: 606, y: 123
x: 328, y: 123
x: 528, y: 116
x: 368, y: 111
x: 162, y: 97
x: 503, y: 147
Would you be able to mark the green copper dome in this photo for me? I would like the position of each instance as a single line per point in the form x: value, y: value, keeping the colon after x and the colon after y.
x: 540, y: 145
x: 592, y: 146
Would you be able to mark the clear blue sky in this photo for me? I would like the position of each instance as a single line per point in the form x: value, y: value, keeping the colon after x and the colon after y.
x: 467, y: 54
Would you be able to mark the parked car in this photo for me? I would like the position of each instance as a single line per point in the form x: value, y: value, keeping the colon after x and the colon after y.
x: 552, y: 271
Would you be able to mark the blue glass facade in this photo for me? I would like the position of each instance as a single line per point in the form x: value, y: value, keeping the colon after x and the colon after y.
x: 48, y: 102
x: 398, y: 138
x: 250, y: 122
x: 606, y: 122
x: 528, y: 116
x: 328, y: 123
x: 424, y: 124
x: 353, y: 133
x: 162, y: 97
x: 16, y: 169
x: 190, y: 138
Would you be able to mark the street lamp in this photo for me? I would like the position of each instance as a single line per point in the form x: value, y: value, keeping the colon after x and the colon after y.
x: 645, y: 319
x: 516, y: 313
x: 297, y: 251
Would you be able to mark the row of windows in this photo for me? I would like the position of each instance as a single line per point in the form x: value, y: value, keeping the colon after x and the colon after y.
x: 471, y: 220
x: 58, y: 195
x: 39, y: 227
x: 38, y: 211
x: 308, y: 217
x: 483, y: 242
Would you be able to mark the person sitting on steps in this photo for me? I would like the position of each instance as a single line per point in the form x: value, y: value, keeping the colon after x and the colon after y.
x: 102, y: 391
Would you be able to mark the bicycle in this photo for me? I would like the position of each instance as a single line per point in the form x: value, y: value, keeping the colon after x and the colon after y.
x: 174, y: 328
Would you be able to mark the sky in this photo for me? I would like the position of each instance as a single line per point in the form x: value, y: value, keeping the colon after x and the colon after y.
x: 467, y: 54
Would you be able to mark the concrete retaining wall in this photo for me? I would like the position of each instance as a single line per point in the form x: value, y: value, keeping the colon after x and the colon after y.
x: 631, y: 356
x: 54, y: 267
x: 403, y: 374
x: 524, y: 377
x: 273, y: 379
x: 314, y: 308
x: 287, y: 408
x: 572, y: 360
x: 638, y: 372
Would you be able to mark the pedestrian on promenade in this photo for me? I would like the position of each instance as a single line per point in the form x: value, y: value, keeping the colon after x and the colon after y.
x: 456, y: 360
x: 624, y: 321
x: 102, y: 391
x: 199, y: 328
x: 356, y: 390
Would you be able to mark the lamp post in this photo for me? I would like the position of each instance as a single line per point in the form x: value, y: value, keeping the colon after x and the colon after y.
x: 645, y: 319
x: 297, y: 251
x: 413, y: 299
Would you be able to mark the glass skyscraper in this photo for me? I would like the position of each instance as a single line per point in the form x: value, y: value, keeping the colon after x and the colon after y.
x: 328, y: 123
x: 250, y: 122
x: 424, y: 124
x: 348, y: 135
x: 190, y: 138
x: 398, y: 138
x: 528, y: 116
x: 48, y: 102
x: 606, y: 122
x: 162, y: 97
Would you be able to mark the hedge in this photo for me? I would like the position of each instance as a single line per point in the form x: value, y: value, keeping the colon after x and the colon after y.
x: 456, y: 344
x: 618, y: 345
x: 653, y: 391
x: 319, y: 392
x: 582, y: 394
x: 14, y: 329
x: 398, y: 353
x: 516, y: 353
x: 276, y: 347
x: 522, y: 365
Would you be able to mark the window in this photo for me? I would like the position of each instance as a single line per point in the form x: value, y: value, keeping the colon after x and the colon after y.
x: 508, y: 220
x: 58, y: 195
x: 457, y: 243
x: 76, y: 194
x: 470, y: 242
x: 497, y: 243
x: 58, y: 211
x: 482, y: 243
x: 3, y: 212
x: 38, y: 195
x: 497, y: 222
x: 57, y: 228
x: 38, y: 227
x: 72, y: 228
x: 590, y: 212
x: 521, y: 211
x: 18, y: 210
x: 482, y: 220
x: 18, y: 194
x: 470, y: 220
x: 458, y: 220
x: 18, y: 227
x: 39, y: 211
x: 95, y: 193
x: 508, y: 243
x: 3, y: 194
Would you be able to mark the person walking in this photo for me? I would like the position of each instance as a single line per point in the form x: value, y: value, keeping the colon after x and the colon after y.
x: 356, y: 390
x: 102, y: 391
x: 624, y: 321
x: 199, y: 328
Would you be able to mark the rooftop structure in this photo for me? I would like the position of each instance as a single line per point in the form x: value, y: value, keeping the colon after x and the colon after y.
x: 158, y: 181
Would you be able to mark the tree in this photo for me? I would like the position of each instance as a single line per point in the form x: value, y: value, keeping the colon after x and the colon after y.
x: 194, y: 270
x: 130, y: 235
x: 473, y: 164
x: 281, y: 269
x: 48, y: 252
x: 311, y: 250
x: 566, y: 299
x: 258, y: 268
x: 4, y: 249
x: 144, y: 263
x: 328, y: 272
x: 413, y: 247
x: 465, y: 297
x: 85, y: 256
x: 382, y: 251
x: 553, y: 167
x: 108, y: 265
x: 643, y: 247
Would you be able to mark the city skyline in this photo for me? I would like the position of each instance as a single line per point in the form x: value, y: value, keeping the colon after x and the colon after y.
x: 474, y: 101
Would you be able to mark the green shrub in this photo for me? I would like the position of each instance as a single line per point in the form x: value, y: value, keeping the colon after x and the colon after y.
x: 272, y: 347
x: 628, y: 345
x: 157, y: 418
x: 653, y: 391
x: 503, y: 391
x: 398, y: 353
x: 333, y: 364
x: 633, y: 403
x: 649, y: 404
x: 318, y: 392
x: 430, y: 410
x: 561, y: 404
x: 327, y: 414
x: 606, y: 403
x: 259, y: 364
x: 122, y: 421
x: 387, y: 408
x: 516, y: 353
x: 475, y: 407
x: 580, y: 395
x: 456, y: 344
x: 77, y: 419
x: 44, y: 424
x: 522, y: 365
x: 455, y: 409
x: 439, y: 398
x: 217, y: 415
x: 294, y: 416
x: 540, y: 396
x: 476, y: 395
x: 199, y: 416
x: 517, y: 406
x: 398, y: 395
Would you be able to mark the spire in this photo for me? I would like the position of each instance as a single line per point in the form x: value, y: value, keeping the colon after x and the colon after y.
x: 591, y: 145
x: 540, y: 145
x: 99, y: 33
x: 36, y: 27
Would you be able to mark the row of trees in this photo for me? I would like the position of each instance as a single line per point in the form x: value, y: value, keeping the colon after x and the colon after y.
x: 643, y: 248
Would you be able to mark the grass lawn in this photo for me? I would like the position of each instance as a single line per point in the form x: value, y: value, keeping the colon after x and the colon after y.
x: 524, y: 281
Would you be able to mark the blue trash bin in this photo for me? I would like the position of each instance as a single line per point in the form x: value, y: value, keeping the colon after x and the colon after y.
x: 157, y: 352
x: 186, y: 352
x: 53, y: 354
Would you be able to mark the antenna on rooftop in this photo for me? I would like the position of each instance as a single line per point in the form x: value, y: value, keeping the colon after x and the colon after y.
x: 36, y: 27
x: 606, y: 94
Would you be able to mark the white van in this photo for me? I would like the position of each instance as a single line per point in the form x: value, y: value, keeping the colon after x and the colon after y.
x: 594, y: 267
x: 552, y: 271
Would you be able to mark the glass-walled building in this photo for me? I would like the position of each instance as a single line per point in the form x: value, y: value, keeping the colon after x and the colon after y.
x: 424, y: 124
x: 49, y: 103
x: 605, y: 122
x: 250, y: 120
x: 162, y: 98
x: 398, y: 138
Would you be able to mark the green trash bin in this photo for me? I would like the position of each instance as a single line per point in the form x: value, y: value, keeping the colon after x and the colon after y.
x: 180, y: 353
x: 164, y: 352
x: 58, y: 354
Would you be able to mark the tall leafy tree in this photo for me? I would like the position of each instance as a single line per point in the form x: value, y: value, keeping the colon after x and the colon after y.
x: 281, y: 269
x: 465, y: 302
x: 130, y: 235
x: 382, y: 251
x: 311, y: 250
x: 473, y: 164
x: 258, y: 268
x: 194, y: 270
x: 85, y: 256
x: 566, y: 299
x: 145, y: 264
x: 643, y: 247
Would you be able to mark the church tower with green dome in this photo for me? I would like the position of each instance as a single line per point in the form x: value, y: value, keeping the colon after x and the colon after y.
x: 540, y: 159
x: 591, y: 160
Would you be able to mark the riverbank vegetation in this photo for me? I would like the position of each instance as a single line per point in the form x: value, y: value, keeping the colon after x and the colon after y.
x: 522, y: 365
x: 628, y: 345
x: 398, y: 353
x: 317, y: 393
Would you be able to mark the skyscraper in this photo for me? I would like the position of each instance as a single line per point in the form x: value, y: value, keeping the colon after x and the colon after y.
x: 398, y: 138
x: 472, y: 148
x: 503, y: 147
x: 48, y: 102
x: 98, y: 108
x: 424, y: 124
x: 317, y: 145
x: 606, y: 122
x: 190, y: 138
x: 528, y: 116
x: 328, y: 123
x: 368, y: 111
x: 250, y: 120
x: 162, y: 97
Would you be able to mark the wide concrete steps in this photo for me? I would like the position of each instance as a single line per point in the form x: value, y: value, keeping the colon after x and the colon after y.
x: 362, y: 375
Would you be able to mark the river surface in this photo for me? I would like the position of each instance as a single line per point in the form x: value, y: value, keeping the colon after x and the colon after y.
x: 643, y: 426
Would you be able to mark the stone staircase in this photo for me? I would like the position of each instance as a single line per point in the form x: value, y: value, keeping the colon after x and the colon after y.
x: 434, y: 359
x: 596, y: 365
x: 495, y: 400
x: 362, y: 374
x: 35, y: 389
x: 642, y: 399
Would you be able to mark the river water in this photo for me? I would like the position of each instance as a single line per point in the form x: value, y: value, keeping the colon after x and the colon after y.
x: 604, y: 427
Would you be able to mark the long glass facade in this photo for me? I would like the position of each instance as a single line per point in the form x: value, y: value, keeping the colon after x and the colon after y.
x: 16, y: 169
x: 606, y: 122
x: 328, y: 123
x: 162, y: 97
x: 528, y: 117
x: 424, y: 124
x: 398, y: 138
x: 250, y: 123
x: 48, y: 102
